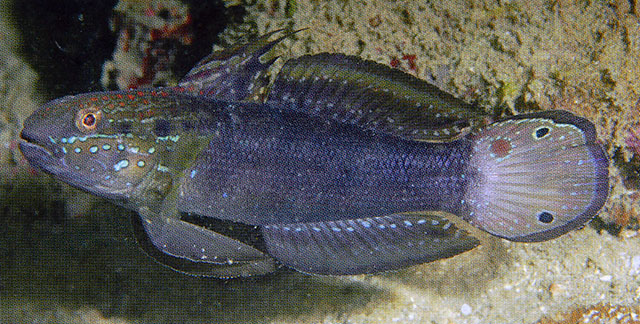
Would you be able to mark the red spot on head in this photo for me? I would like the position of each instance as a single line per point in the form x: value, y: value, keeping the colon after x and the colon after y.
x: 131, y: 97
x: 500, y: 148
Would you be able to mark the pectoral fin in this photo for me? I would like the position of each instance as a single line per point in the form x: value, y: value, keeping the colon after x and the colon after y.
x: 365, y: 245
x: 195, y: 250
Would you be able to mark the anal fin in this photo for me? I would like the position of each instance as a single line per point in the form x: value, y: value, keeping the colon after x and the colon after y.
x: 366, y: 245
x: 195, y: 250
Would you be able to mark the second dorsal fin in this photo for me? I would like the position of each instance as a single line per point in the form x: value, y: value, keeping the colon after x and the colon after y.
x: 374, y: 96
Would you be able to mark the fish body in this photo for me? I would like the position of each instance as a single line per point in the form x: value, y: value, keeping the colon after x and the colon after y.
x: 235, y: 160
x: 326, y: 175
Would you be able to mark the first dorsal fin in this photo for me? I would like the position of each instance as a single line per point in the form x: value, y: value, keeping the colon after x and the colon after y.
x: 374, y: 96
x: 233, y: 74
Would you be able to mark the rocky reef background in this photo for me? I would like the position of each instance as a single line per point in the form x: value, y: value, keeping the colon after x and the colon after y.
x: 67, y: 257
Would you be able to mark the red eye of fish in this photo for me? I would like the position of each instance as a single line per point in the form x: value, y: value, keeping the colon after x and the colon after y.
x: 87, y: 119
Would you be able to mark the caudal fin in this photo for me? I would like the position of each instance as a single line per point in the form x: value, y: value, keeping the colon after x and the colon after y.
x: 536, y: 176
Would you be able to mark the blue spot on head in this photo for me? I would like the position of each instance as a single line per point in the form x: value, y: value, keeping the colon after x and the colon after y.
x: 121, y: 165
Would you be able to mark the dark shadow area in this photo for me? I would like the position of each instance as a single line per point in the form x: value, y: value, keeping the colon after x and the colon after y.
x: 66, y: 42
x: 92, y: 261
x: 210, y: 18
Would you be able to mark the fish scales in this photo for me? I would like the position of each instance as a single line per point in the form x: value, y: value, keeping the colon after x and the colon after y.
x: 329, y: 171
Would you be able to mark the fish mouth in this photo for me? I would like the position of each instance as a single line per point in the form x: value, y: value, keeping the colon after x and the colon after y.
x: 44, y: 159
x: 34, y: 146
x: 40, y: 156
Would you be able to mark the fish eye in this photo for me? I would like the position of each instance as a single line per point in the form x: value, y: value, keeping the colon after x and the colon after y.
x: 87, y: 119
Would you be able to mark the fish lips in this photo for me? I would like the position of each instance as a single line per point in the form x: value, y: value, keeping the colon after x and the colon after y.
x: 38, y: 156
x: 40, y: 153
x: 50, y: 158
x: 43, y: 158
x: 39, y: 149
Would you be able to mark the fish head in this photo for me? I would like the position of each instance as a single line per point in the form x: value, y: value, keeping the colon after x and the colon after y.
x: 86, y: 142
